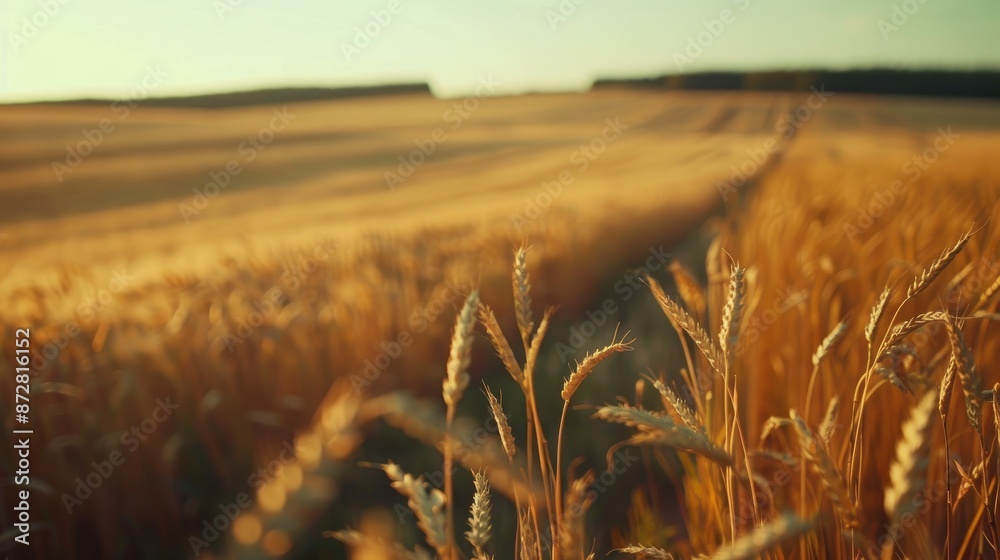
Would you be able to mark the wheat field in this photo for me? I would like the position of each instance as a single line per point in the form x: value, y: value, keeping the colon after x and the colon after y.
x: 340, y: 368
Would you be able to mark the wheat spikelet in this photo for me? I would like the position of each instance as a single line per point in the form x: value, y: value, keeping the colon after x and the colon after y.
x: 536, y: 345
x: 828, y: 342
x: 480, y: 523
x: 772, y: 424
x: 588, y: 364
x: 646, y: 552
x: 527, y: 543
x: 688, y: 288
x: 506, y: 435
x: 823, y: 466
x: 499, y: 341
x: 684, y: 321
x: 658, y: 429
x: 900, y: 330
x: 461, y: 351
x: 522, y: 296
x: 673, y: 402
x: 829, y: 424
x: 890, y: 375
x: 785, y: 528
x: 986, y: 295
x: 426, y: 503
x: 947, y: 383
x: 907, y: 475
x: 729, y: 328
x: 877, y: 313
x: 578, y: 500
x: 966, y: 370
x: 930, y: 273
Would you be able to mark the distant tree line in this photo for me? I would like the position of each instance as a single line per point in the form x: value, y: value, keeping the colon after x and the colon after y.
x: 875, y: 81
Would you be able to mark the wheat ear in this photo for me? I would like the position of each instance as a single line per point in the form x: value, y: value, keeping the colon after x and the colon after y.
x: 480, y: 522
x: 823, y: 466
x: 689, y: 289
x: 646, y: 552
x: 930, y: 273
x: 426, y: 503
x: 522, y: 297
x: 506, y: 435
x: 489, y: 320
x: 907, y: 475
x: 785, y: 528
x: 683, y: 320
x: 730, y: 327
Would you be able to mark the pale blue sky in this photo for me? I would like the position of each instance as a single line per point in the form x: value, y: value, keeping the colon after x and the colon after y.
x: 107, y: 48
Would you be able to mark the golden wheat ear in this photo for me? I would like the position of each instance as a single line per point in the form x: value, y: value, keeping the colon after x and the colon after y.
x: 785, y: 528
x: 425, y: 502
x: 480, y: 521
x: 646, y: 553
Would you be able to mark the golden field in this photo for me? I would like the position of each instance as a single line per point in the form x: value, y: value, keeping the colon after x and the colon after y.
x: 306, y: 303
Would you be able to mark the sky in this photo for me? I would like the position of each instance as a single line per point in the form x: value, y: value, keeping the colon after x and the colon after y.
x: 66, y: 49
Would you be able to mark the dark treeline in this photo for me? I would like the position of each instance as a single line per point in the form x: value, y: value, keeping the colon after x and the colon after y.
x: 942, y: 83
x: 874, y: 81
